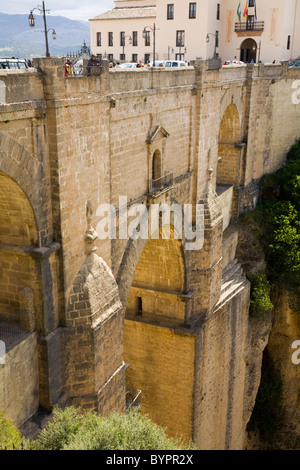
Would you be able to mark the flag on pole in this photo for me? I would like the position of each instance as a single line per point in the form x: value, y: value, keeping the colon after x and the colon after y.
x: 239, y: 11
x: 255, y: 11
x: 245, y: 15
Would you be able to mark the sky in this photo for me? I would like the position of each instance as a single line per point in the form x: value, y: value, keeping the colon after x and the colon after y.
x: 73, y: 9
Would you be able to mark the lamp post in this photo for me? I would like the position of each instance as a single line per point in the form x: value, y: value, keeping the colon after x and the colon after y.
x: 124, y: 40
x: 154, y: 29
x: 170, y: 49
x: 184, y: 52
x: 207, y: 40
x: 31, y: 21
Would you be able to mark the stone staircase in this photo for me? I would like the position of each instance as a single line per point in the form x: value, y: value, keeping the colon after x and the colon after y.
x: 233, y: 279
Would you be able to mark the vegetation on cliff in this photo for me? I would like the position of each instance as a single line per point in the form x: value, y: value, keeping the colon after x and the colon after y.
x: 276, y: 221
x: 73, y: 429
x: 275, y: 224
x: 10, y: 438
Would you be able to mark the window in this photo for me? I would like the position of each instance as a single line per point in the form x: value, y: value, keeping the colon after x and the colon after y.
x: 122, y: 38
x: 110, y: 57
x: 192, y: 10
x: 217, y: 38
x: 179, y: 56
x: 98, y: 39
x: 134, y: 38
x: 146, y: 58
x: 134, y: 58
x: 170, y: 11
x: 156, y: 166
x: 147, y: 38
x: 179, y: 38
x: 122, y: 57
x: 110, y: 39
x: 218, y: 11
x: 251, y: 3
x: 288, y: 46
x: 250, y: 22
x: 139, y: 305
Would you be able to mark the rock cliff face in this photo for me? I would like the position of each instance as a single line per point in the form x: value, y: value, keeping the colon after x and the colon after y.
x: 285, y: 331
x: 274, y: 336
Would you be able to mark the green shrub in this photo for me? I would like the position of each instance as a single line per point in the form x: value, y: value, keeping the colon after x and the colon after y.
x: 260, y: 302
x: 59, y: 430
x: 10, y: 438
x: 276, y: 222
x: 72, y: 429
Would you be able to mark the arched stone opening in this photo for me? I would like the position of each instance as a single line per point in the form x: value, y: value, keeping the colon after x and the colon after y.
x: 230, y: 162
x: 20, y: 302
x: 248, y: 50
x: 158, y: 349
x: 156, y: 166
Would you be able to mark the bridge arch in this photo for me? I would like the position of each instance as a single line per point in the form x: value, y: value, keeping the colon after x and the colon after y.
x: 20, y: 166
x: 156, y: 305
x: 20, y: 300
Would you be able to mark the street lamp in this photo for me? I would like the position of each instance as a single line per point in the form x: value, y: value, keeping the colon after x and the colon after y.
x: 207, y: 40
x: 170, y: 49
x: 31, y: 21
x: 154, y: 29
x: 124, y: 40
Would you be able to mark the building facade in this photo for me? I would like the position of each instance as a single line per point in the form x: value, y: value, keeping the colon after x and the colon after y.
x: 258, y: 30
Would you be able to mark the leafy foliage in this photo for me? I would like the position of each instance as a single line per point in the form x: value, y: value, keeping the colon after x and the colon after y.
x: 260, y: 297
x: 276, y: 221
x: 10, y: 438
x: 73, y: 429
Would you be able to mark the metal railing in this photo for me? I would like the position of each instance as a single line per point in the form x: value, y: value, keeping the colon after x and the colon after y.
x: 249, y: 26
x: 162, y: 183
x: 132, y: 397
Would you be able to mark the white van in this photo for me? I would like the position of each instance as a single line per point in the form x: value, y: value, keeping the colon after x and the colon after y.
x: 168, y: 63
x: 175, y: 63
x: 12, y: 64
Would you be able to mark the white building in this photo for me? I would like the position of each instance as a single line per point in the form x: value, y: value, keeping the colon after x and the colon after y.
x: 189, y: 30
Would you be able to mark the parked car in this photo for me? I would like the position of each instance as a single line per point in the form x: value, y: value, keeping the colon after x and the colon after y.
x: 168, y: 63
x: 128, y: 65
x: 8, y: 64
x: 296, y: 65
x: 175, y: 63
x: 158, y: 63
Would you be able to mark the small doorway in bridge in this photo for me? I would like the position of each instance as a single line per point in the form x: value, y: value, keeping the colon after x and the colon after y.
x: 248, y: 50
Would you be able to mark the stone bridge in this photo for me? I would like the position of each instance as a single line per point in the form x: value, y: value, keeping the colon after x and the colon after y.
x: 87, y: 311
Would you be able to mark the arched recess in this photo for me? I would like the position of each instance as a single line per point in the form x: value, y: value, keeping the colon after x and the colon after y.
x: 18, y: 233
x: 156, y: 305
x: 20, y: 301
x: 156, y: 166
x: 248, y: 50
x: 159, y: 280
x: 230, y: 160
x: 27, y: 172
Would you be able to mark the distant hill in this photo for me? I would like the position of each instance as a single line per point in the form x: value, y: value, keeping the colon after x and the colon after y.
x: 19, y: 40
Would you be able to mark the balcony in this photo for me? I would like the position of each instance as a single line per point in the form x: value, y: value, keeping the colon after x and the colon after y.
x: 254, y: 28
x: 162, y: 183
